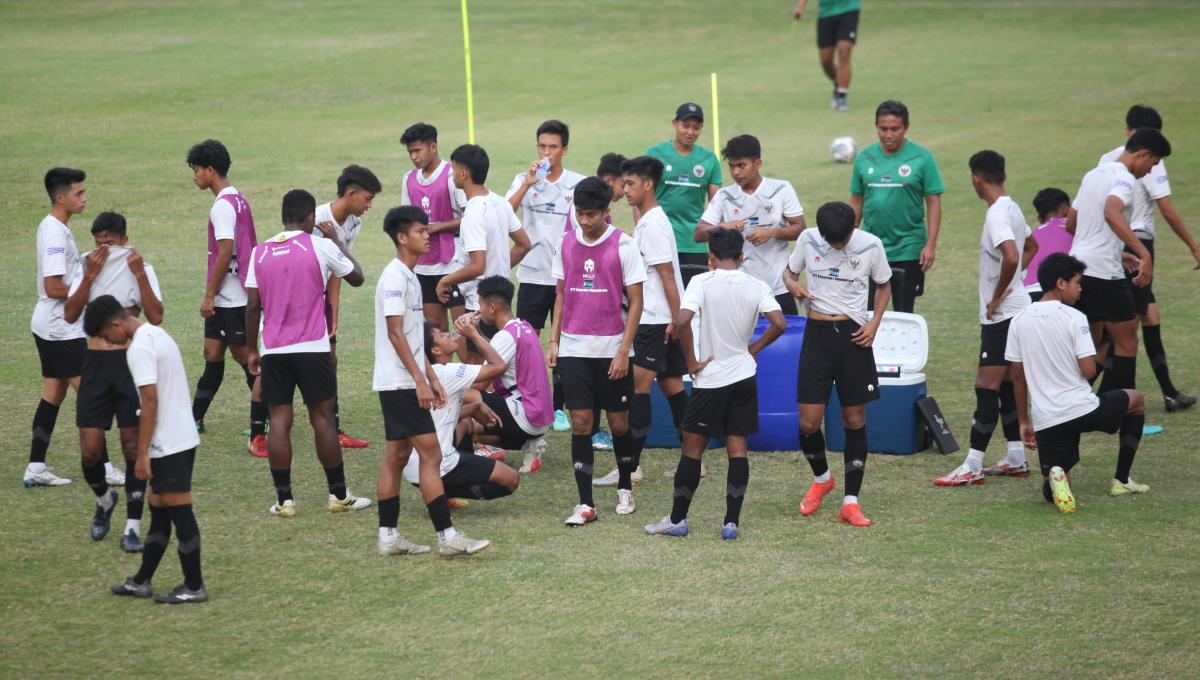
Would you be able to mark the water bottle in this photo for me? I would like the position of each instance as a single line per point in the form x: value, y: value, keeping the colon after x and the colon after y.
x: 543, y: 169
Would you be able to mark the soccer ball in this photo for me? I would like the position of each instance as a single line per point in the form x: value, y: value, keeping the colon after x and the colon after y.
x: 843, y: 149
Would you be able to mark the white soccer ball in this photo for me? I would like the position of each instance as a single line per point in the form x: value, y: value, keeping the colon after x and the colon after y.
x: 843, y: 149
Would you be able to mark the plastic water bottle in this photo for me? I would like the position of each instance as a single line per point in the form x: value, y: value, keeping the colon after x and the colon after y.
x: 543, y: 169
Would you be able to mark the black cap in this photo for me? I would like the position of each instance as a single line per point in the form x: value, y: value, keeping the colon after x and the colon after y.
x: 689, y: 110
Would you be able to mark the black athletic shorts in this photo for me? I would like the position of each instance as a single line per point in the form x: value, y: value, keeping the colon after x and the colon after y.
x: 312, y: 372
x: 105, y: 390
x: 787, y: 304
x: 993, y: 338
x: 731, y: 410
x: 691, y: 264
x: 471, y: 470
x: 429, y: 296
x: 829, y: 356
x: 837, y: 28
x: 586, y: 385
x: 173, y: 472
x: 227, y: 324
x: 61, y: 359
x: 1143, y: 296
x: 403, y: 416
x: 1107, y: 300
x: 650, y: 352
x: 510, y: 433
x: 1059, y: 445
x: 908, y: 284
x: 535, y: 303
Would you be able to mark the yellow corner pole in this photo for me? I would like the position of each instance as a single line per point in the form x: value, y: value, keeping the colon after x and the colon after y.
x: 467, y: 59
x: 716, y: 113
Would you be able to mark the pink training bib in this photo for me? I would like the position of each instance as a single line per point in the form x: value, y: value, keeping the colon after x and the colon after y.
x: 434, y: 199
x: 593, y: 286
x: 292, y: 291
x: 1051, y: 237
x: 244, y: 238
x: 533, y: 383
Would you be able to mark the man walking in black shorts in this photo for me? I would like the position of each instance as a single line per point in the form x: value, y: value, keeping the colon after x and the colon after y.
x: 837, y: 30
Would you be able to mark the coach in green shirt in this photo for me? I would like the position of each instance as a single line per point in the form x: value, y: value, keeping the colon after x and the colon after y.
x: 896, y: 191
x: 691, y: 175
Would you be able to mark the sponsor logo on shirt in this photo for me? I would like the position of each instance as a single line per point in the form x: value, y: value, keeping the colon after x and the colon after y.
x: 1162, y: 179
x: 589, y: 273
x: 549, y: 207
x: 276, y: 252
x: 393, y: 293
x: 905, y: 170
x: 683, y: 179
x: 1122, y: 183
x: 1085, y: 330
x: 698, y: 171
x: 462, y: 370
x: 834, y: 272
x: 752, y: 221
x: 55, y: 250
x: 425, y: 203
x: 886, y: 179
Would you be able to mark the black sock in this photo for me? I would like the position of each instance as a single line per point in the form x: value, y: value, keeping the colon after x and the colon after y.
x: 1131, y: 438
x: 94, y: 475
x: 639, y: 425
x: 556, y: 379
x: 187, y: 535
x: 583, y: 458
x: 813, y: 446
x: 483, y: 492
x: 1124, y: 370
x: 736, y: 480
x: 104, y: 459
x: 1152, y: 335
x: 135, y: 492
x: 856, y: 459
x: 678, y: 403
x: 439, y: 513
x: 983, y: 421
x: 389, y: 512
x: 467, y: 443
x: 249, y: 377
x: 43, y: 427
x: 687, y: 479
x: 1008, y: 413
x: 1046, y: 492
x: 336, y: 478
x: 155, y: 545
x: 206, y: 388
x: 283, y: 484
x: 258, y: 417
x: 623, y: 448
x: 337, y: 414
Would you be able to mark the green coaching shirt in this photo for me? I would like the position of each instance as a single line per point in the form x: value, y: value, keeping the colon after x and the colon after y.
x: 683, y: 192
x: 832, y: 8
x: 894, y: 190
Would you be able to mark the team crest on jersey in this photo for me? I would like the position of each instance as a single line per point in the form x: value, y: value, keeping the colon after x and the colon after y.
x: 425, y: 203
x: 855, y: 263
x: 768, y: 207
x: 736, y: 212
x: 569, y: 197
x: 905, y: 170
x: 535, y: 195
x: 870, y: 171
x: 667, y: 169
x: 698, y: 171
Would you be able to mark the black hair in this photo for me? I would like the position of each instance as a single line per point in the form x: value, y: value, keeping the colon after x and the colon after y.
x: 358, y: 176
x: 610, y: 165
x: 1142, y: 117
x: 400, y: 220
x: 644, y: 167
x: 496, y: 287
x: 210, y: 154
x: 555, y: 127
x: 298, y: 205
x: 1048, y: 200
x: 988, y: 166
x: 59, y: 180
x: 835, y: 222
x: 742, y: 146
x: 725, y: 244
x: 474, y: 159
x: 100, y: 312
x: 592, y: 194
x: 1151, y: 140
x: 419, y: 132
x: 1057, y: 266
x: 892, y: 108
x: 429, y: 327
x: 111, y: 222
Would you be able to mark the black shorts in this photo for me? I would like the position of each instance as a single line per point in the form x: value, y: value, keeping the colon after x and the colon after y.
x: 61, y: 359
x: 691, y: 264
x: 787, y: 304
x: 586, y: 385
x: 1106, y: 300
x: 403, y: 416
x: 510, y: 433
x: 227, y: 324
x: 993, y: 339
x: 535, y: 303
x: 429, y: 296
x: 312, y: 372
x: 650, y: 352
x: 105, y: 390
x: 908, y: 284
x: 1143, y: 296
x: 731, y: 410
x: 173, y: 472
x: 837, y: 28
x: 829, y: 356
x: 471, y: 470
x: 1059, y: 445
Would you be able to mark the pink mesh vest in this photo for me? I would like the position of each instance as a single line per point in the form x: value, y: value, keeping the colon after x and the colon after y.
x: 533, y: 383
x: 593, y: 286
x: 244, y: 238
x: 1051, y: 238
x: 434, y: 199
x: 292, y: 291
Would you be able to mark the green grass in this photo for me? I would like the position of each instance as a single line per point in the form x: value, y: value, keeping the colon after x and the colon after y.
x: 976, y: 582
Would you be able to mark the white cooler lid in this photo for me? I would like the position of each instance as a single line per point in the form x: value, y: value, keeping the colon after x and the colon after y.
x: 902, y: 340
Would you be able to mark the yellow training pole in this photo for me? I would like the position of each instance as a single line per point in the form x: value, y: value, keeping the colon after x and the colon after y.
x: 716, y: 114
x: 467, y: 59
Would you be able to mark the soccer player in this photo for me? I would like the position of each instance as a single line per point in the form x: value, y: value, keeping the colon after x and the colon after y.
x: 231, y: 237
x: 598, y: 269
x: 691, y: 175
x: 357, y: 187
x: 1001, y: 296
x: 1099, y: 219
x: 1052, y: 206
x: 106, y: 387
x: 765, y: 210
x: 724, y: 401
x: 60, y: 344
x: 837, y: 30
x: 408, y: 388
x: 166, y: 446
x: 1053, y: 359
x: 896, y: 192
x: 839, y: 261
x: 286, y: 292
x: 430, y: 186
x: 1154, y: 190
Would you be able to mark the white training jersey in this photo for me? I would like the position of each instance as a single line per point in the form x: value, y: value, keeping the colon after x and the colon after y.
x: 154, y: 359
x: 1096, y: 244
x: 543, y: 212
x: 727, y: 304
x: 397, y: 294
x: 347, y: 232
x: 1049, y: 338
x: 655, y: 239
x: 57, y: 255
x: 1146, y: 192
x: 458, y: 203
x: 456, y: 379
x: 633, y: 270
x: 839, y: 280
x: 769, y: 206
x: 486, y: 224
x: 1003, y: 222
x: 224, y: 221
x: 117, y: 279
x: 506, y: 346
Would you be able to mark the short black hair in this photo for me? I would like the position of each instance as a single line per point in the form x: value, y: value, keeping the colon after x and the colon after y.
x: 298, y: 204
x: 988, y: 166
x: 1048, y: 200
x: 1140, y: 116
x: 835, y: 222
x: 555, y: 127
x: 400, y: 220
x: 644, y: 167
x: 742, y: 146
x: 59, y: 180
x: 419, y: 132
x: 210, y: 154
x: 1151, y: 140
x: 474, y: 159
x: 358, y: 176
x: 610, y: 165
x: 100, y: 312
x: 892, y: 107
x: 725, y: 244
x: 1057, y: 266
x: 111, y: 222
x: 429, y: 327
x: 496, y: 287
x: 592, y: 194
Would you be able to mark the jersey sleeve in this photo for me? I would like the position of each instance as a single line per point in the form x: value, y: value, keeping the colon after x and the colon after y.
x: 54, y: 253
x: 457, y: 378
x: 789, y: 202
x: 1122, y: 188
x: 714, y: 171
x: 514, y: 223
x: 458, y: 198
x: 857, y: 187
x: 766, y: 301
x: 153, y: 279
x: 881, y: 271
x: 633, y: 267
x: 405, y: 199
x: 251, y: 280
x: 142, y: 364
x: 796, y: 259
x: 224, y: 220
x: 996, y: 230
x: 393, y: 288
x: 506, y: 346
x: 931, y: 177
x: 473, y: 231
x: 657, y: 248
x: 556, y: 261
x: 715, y: 209
x: 1084, y: 347
x: 333, y: 260
x: 1156, y: 182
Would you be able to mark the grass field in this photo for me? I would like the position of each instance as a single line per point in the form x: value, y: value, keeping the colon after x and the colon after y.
x: 980, y: 582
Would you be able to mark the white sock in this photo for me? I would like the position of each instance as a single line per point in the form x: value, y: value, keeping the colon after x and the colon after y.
x: 446, y: 535
x: 36, y: 468
x: 822, y: 478
x: 134, y: 525
x: 386, y: 533
x: 849, y: 500
x: 1016, y: 454
x: 108, y: 468
x: 974, y: 461
x: 108, y: 500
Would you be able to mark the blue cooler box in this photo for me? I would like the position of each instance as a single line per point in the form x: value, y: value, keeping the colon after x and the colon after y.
x: 893, y: 423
